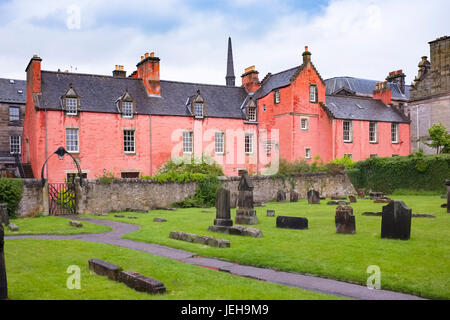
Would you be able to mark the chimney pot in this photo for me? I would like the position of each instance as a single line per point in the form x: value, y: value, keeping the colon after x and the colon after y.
x: 152, y: 54
x: 146, y: 55
x: 306, y: 48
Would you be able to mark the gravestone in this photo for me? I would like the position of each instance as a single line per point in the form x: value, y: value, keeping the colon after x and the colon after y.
x: 281, y: 196
x: 271, y: 213
x: 141, y: 283
x: 376, y: 195
x: 396, y: 221
x: 313, y: 197
x: 447, y: 184
x: 345, y: 220
x: 104, y: 268
x: 245, y: 214
x: 293, y: 196
x: 352, y: 198
x: 299, y: 223
x: 361, y: 194
x: 3, y: 284
x: 4, y: 217
x: 223, y: 214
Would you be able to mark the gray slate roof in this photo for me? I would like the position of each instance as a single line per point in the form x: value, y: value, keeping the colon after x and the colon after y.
x: 363, y: 87
x: 361, y: 108
x: 275, y: 81
x: 99, y: 94
x: 9, y: 92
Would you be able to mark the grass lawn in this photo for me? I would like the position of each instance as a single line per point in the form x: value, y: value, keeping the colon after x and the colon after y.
x: 419, y: 266
x: 53, y: 225
x: 36, y: 269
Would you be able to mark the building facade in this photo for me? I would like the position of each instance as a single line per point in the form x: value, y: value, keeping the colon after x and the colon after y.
x: 132, y: 125
x: 12, y: 111
x: 430, y: 94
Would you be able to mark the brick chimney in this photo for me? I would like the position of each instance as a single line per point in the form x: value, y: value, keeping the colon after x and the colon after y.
x: 250, y: 79
x: 33, y: 71
x: 119, y: 72
x: 148, y: 71
x: 306, y: 56
x: 383, y: 93
x: 397, y: 77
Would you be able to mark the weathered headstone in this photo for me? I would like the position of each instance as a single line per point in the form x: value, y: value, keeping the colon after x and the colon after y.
x: 3, y: 282
x: 158, y: 219
x: 352, y: 198
x: 233, y: 200
x: 382, y: 200
x: 447, y: 184
x: 293, y: 196
x: 376, y: 195
x: 396, y: 221
x: 345, y: 220
x: 237, y: 231
x: 245, y: 214
x: 4, y: 217
x: 271, y: 213
x: 338, y: 203
x: 292, y: 222
x: 313, y: 197
x: 13, y: 227
x: 76, y: 224
x: 281, y: 196
x: 361, y: 194
x: 141, y: 283
x: 223, y: 213
x: 104, y: 268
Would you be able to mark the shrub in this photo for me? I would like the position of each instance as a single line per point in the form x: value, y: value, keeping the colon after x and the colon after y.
x: 11, y: 193
x: 106, y: 178
x: 415, y: 172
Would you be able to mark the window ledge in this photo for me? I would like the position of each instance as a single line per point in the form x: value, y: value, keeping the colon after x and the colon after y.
x: 250, y: 122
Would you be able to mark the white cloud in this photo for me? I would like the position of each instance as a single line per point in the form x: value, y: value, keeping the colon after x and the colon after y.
x: 365, y: 39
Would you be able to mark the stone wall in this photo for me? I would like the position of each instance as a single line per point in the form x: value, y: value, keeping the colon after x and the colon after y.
x: 32, y: 198
x: 143, y: 195
x: 266, y: 187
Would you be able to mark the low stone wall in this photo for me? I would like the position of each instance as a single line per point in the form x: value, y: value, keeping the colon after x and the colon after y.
x: 143, y: 195
x: 131, y: 195
x: 32, y: 198
x: 266, y: 187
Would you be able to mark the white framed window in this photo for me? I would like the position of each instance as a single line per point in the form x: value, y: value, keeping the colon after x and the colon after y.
x: 129, y: 141
x: 219, y: 142
x: 71, y: 106
x: 304, y: 123
x: 248, y: 143
x: 347, y: 131
x: 251, y: 114
x: 312, y: 93
x: 308, y: 153
x: 14, y: 114
x: 276, y: 96
x: 373, y: 132
x: 268, y: 146
x: 187, y: 141
x: 394, y: 132
x: 348, y: 155
x: 14, y: 144
x: 127, y: 109
x: 72, y: 140
x: 198, y: 110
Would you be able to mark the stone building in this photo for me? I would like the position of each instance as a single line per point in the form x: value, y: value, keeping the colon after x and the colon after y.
x: 12, y: 111
x: 430, y: 94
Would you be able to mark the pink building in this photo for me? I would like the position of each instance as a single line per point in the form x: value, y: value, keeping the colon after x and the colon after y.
x: 132, y: 125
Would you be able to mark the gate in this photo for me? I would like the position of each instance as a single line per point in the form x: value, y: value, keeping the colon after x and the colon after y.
x: 62, y: 199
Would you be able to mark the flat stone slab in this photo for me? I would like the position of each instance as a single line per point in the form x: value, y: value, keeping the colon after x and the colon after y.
x: 119, y: 216
x: 298, y: 223
x: 157, y: 219
x: 13, y: 227
x: 104, y: 268
x: 338, y: 203
x: 271, y: 213
x: 76, y: 224
x: 237, y: 231
x: 378, y: 214
x: 141, y: 283
x: 206, y: 240
x: 414, y: 215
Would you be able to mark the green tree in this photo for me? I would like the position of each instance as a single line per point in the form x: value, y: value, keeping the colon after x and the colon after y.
x: 440, y: 138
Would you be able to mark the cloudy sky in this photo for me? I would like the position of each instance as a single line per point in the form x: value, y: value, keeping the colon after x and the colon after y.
x: 366, y: 39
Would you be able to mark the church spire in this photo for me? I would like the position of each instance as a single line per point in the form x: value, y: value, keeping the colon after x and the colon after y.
x: 230, y: 78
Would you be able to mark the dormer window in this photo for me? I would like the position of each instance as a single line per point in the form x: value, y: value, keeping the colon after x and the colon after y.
x: 198, y: 110
x: 126, y: 105
x: 198, y: 106
x: 313, y: 93
x: 71, y: 102
x: 251, y: 111
x: 276, y: 96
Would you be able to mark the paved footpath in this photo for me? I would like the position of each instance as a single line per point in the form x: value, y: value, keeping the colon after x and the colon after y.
x: 308, y: 282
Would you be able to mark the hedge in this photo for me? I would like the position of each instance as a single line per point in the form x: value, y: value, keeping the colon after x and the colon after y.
x: 11, y: 193
x: 414, y: 172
